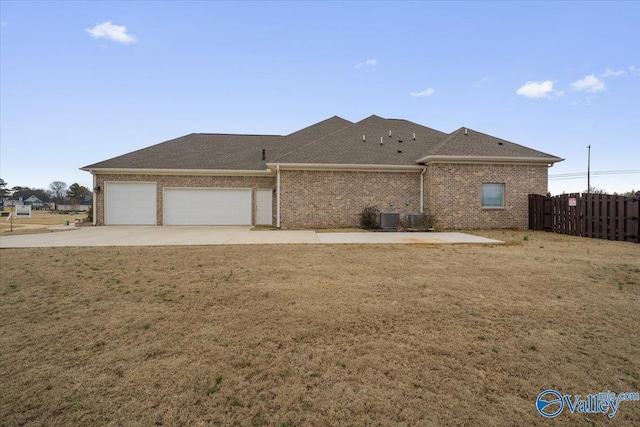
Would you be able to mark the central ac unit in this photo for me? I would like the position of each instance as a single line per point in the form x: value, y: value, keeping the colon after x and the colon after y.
x: 415, y: 221
x: 389, y: 219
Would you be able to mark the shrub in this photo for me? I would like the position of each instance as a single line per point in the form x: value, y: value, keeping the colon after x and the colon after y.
x: 402, y: 225
x: 369, y: 217
x: 429, y: 221
x: 90, y: 214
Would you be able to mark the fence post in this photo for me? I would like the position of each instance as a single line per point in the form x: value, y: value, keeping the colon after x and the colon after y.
x: 605, y: 216
x: 547, y: 214
x: 632, y: 221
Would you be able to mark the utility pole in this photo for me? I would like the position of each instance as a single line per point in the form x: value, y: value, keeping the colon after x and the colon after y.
x: 589, y: 168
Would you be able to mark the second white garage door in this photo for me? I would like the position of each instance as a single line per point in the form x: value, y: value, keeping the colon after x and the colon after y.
x: 207, y: 206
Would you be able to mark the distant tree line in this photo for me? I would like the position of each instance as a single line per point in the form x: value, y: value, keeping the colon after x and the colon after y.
x: 593, y: 190
x: 58, y: 192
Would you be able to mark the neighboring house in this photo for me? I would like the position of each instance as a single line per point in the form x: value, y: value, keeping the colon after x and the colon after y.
x: 323, y: 176
x: 35, y: 202
x: 38, y: 204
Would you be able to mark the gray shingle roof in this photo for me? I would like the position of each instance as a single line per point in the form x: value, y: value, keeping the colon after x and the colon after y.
x: 467, y: 142
x: 332, y: 141
x: 347, y: 146
x: 319, y: 130
x: 219, y: 151
x: 197, y: 151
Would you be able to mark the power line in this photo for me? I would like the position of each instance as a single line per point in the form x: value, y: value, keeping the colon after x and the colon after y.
x: 577, y: 175
x: 598, y: 172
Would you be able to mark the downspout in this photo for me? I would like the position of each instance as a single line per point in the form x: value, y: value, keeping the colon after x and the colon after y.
x: 278, y: 196
x: 424, y: 170
x: 95, y: 196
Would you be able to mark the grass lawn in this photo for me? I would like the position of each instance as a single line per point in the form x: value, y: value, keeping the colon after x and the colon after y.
x: 318, y: 334
x: 38, y: 222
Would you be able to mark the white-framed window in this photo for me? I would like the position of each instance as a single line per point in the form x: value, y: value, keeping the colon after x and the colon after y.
x: 493, y: 195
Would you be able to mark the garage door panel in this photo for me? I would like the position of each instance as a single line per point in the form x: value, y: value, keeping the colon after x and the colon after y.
x: 130, y: 203
x: 207, y: 206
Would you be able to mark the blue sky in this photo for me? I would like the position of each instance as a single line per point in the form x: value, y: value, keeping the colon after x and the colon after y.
x: 81, y: 82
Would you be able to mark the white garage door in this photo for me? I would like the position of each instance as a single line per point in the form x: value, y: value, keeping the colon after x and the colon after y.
x: 130, y: 203
x: 206, y: 206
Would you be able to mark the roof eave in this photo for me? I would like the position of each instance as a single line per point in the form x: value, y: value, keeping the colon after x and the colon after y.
x: 345, y: 167
x: 190, y: 172
x: 489, y: 159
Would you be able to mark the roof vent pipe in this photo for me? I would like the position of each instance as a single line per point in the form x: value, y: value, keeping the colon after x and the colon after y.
x: 465, y: 131
x: 363, y: 138
x: 380, y: 140
x: 389, y: 134
x: 264, y: 154
x: 414, y: 136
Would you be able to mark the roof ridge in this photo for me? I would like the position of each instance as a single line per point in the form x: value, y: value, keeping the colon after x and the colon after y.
x: 455, y: 133
x: 373, y: 116
x: 420, y: 125
x: 321, y: 121
x: 444, y: 141
x: 232, y: 134
x: 314, y: 141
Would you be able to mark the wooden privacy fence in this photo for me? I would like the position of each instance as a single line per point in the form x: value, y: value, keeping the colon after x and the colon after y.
x: 601, y: 216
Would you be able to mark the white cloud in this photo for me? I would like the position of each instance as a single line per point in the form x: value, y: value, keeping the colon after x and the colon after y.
x: 427, y: 92
x: 590, y: 83
x: 368, y: 62
x: 634, y: 70
x: 483, y: 81
x: 609, y: 72
x: 116, y: 33
x: 537, y: 89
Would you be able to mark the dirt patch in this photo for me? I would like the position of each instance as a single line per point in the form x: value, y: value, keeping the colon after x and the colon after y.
x: 318, y: 334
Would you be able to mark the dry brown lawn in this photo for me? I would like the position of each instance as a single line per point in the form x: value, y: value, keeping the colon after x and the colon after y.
x: 318, y: 335
x: 38, y: 222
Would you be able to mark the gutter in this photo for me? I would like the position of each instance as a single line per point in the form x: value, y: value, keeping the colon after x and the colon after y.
x: 277, y: 196
x: 424, y: 170
x: 345, y: 167
x: 208, y: 172
x: 95, y: 196
x: 490, y: 159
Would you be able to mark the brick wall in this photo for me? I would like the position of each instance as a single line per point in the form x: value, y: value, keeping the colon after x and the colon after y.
x: 453, y: 192
x: 254, y: 182
x: 324, y: 199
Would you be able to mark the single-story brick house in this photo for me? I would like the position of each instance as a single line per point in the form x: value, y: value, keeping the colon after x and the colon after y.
x: 323, y: 176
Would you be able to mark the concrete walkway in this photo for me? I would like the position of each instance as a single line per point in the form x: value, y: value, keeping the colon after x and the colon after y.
x: 187, y: 236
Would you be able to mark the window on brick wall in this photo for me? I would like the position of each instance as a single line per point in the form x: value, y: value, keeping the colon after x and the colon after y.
x: 493, y: 195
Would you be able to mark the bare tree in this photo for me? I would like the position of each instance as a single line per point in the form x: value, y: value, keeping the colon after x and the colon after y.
x: 59, y: 190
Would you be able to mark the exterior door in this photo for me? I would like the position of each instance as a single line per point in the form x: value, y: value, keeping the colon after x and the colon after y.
x: 264, y: 208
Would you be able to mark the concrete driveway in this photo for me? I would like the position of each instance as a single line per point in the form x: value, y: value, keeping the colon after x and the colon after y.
x: 187, y: 236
